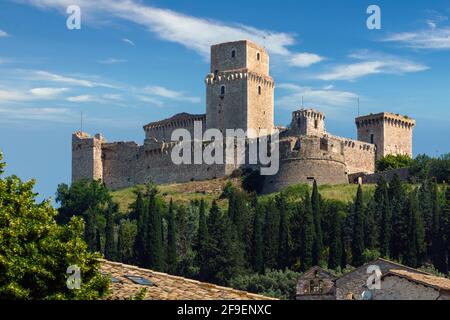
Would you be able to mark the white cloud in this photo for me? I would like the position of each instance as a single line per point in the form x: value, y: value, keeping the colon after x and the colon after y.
x: 151, y: 100
x: 52, y: 77
x: 36, y: 114
x: 3, y: 34
x: 434, y: 38
x: 372, y: 63
x: 292, y: 94
x: 48, y: 92
x: 111, y: 61
x: 128, y: 41
x: 170, y: 94
x: 192, y: 32
x: 305, y: 59
x: 81, y: 98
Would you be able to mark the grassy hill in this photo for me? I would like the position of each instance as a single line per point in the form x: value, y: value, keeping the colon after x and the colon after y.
x: 184, y: 193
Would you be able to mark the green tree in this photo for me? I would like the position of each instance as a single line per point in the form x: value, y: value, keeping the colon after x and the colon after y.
x: 370, y: 226
x: 446, y: 226
x: 154, y: 251
x: 171, y: 240
x: 385, y: 218
x: 284, y: 249
x: 335, y: 254
x: 125, y: 241
x: 399, y: 221
x: 258, y: 245
x: 306, y: 235
x: 415, y: 245
x: 35, y: 251
x: 90, y: 229
x: 140, y: 244
x: 202, y: 236
x: 318, y: 236
x: 438, y: 250
x: 358, y: 230
x: 271, y: 235
x: 110, y: 245
x: 390, y: 162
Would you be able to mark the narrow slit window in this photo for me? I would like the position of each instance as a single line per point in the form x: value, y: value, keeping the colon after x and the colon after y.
x: 222, y: 90
x: 258, y: 56
x: 233, y: 53
x: 259, y: 90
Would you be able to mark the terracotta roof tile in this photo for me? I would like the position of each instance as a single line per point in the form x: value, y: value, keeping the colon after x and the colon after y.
x: 167, y: 287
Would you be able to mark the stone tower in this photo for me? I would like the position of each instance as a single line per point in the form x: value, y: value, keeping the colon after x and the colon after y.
x: 308, y: 122
x: 87, y: 156
x: 239, y: 90
x: 391, y: 133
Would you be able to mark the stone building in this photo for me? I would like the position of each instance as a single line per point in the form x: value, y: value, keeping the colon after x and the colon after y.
x: 316, y: 284
x: 240, y: 96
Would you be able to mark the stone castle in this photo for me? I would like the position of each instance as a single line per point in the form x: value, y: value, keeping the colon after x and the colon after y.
x: 240, y: 95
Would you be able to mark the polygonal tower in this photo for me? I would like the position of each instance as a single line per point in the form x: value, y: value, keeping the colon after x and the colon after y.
x: 391, y: 133
x: 239, y: 90
x: 308, y: 122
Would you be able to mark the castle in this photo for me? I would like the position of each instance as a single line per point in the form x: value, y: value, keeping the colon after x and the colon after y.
x: 240, y: 95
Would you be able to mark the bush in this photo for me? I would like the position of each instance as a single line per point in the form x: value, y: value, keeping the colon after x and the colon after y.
x: 391, y: 162
x: 253, y: 181
x: 274, y: 283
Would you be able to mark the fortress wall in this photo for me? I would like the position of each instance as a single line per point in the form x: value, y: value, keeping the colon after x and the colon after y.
x: 86, y: 156
x: 359, y: 156
x: 305, y: 159
x: 127, y: 164
x: 163, y: 132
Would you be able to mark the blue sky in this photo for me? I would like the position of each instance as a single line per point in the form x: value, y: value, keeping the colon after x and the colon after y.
x: 134, y: 62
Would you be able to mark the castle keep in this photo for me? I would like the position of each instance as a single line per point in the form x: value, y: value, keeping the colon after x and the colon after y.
x: 240, y: 95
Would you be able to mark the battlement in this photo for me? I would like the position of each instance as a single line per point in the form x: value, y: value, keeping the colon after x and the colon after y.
x: 386, y: 118
x: 233, y: 75
x: 309, y: 122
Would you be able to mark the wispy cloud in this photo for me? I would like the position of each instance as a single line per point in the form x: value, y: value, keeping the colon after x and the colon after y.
x: 192, y: 32
x: 371, y: 63
x: 81, y: 98
x: 323, y: 98
x: 3, y: 34
x: 37, y: 114
x: 48, y: 92
x: 53, y: 77
x: 128, y: 41
x: 170, y: 94
x: 111, y: 61
x: 16, y: 95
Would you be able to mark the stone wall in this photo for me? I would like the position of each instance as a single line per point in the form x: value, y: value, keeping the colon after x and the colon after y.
x: 305, y: 159
x: 308, y: 122
x: 396, y: 288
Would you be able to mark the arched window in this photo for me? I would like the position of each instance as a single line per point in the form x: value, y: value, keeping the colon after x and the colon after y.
x: 258, y: 56
x: 233, y: 53
x: 259, y: 90
x: 222, y: 90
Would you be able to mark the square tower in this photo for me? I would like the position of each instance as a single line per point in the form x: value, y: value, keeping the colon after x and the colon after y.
x: 391, y: 133
x: 239, y: 90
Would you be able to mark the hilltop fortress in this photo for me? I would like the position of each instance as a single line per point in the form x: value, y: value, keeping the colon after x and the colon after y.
x: 240, y: 95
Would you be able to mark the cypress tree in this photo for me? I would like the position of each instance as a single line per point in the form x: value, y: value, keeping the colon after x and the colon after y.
x: 171, y: 241
x: 90, y: 229
x: 110, y: 248
x: 426, y: 198
x: 370, y: 226
x: 154, y: 254
x: 98, y: 241
x: 125, y: 241
x: 414, y: 246
x: 438, y: 251
x: 307, y: 236
x: 358, y: 230
x: 284, y: 241
x: 271, y: 235
x: 258, y: 246
x: 202, y: 236
x: 399, y: 221
x: 318, y: 236
x: 385, y: 218
x: 334, y: 257
x: 140, y: 244
x: 446, y: 226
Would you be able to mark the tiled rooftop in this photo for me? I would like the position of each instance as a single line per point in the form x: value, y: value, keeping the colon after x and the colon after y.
x: 424, y: 279
x: 165, y: 286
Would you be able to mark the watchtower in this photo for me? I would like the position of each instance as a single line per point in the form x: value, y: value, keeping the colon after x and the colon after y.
x: 239, y: 90
x: 87, y: 156
x: 391, y: 133
x: 308, y: 122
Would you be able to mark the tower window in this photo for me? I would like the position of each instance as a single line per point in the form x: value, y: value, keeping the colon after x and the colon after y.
x: 259, y: 90
x: 233, y: 53
x: 372, y: 139
x: 222, y: 90
x: 258, y: 56
x: 316, y: 124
